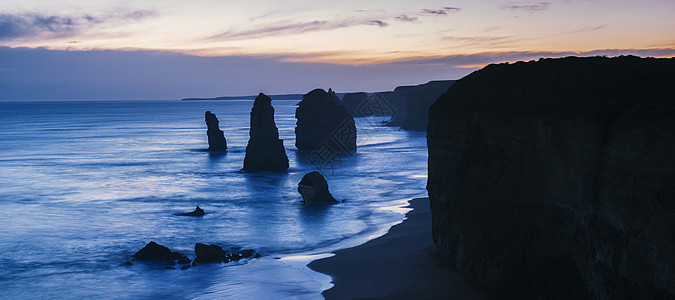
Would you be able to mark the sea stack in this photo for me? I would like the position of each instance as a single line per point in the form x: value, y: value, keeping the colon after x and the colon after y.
x: 324, y: 123
x: 265, y: 151
x: 555, y: 179
x: 314, y: 188
x: 216, y: 137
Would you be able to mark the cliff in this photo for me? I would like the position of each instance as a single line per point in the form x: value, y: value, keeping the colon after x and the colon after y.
x: 265, y: 151
x: 324, y: 124
x: 556, y: 178
x: 355, y: 103
x: 411, y: 103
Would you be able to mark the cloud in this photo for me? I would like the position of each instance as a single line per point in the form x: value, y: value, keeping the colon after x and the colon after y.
x: 405, y: 18
x: 15, y: 26
x: 439, y: 12
x: 285, y: 28
x: 527, y: 6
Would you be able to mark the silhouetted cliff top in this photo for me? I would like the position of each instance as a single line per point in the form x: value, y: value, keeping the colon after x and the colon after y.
x: 571, y: 87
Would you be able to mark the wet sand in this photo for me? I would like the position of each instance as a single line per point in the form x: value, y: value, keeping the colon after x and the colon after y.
x: 397, y: 265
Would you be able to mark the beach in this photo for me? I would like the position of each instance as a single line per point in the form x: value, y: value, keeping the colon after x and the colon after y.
x: 397, y: 265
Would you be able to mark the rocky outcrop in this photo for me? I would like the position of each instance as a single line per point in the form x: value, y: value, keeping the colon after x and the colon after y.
x: 355, y: 104
x: 216, y: 137
x: 157, y: 252
x: 314, y: 188
x: 556, y: 179
x: 215, y: 254
x: 198, y: 212
x: 324, y: 124
x: 265, y: 151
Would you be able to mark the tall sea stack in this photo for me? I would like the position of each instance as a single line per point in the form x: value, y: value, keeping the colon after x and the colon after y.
x: 555, y: 179
x: 265, y: 151
x: 323, y: 123
x: 216, y: 137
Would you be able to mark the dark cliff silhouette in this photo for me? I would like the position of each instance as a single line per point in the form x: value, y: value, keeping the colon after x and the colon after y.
x: 216, y: 137
x: 265, y: 151
x: 556, y: 179
x: 323, y: 123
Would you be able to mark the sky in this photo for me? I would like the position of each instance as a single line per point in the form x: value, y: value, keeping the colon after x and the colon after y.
x: 105, y: 49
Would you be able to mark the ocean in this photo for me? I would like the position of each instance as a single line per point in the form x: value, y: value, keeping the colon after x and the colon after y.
x: 86, y: 184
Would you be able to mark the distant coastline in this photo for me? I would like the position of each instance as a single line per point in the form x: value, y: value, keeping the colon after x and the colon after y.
x: 252, y: 97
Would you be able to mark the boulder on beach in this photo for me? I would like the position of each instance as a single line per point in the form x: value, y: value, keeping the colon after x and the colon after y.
x: 198, y: 212
x: 265, y: 151
x: 324, y: 124
x: 154, y: 251
x: 216, y: 136
x: 314, y: 188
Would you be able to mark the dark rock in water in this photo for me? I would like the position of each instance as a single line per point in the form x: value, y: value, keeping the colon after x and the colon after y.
x: 209, y: 253
x: 185, y: 267
x: 184, y: 260
x: 324, y: 124
x: 154, y: 251
x: 314, y: 188
x: 556, y: 178
x: 128, y: 263
x: 216, y: 136
x: 214, y: 253
x: 198, y: 212
x: 355, y: 104
x: 265, y: 151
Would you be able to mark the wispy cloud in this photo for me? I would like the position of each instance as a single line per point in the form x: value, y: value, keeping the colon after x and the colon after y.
x: 14, y: 26
x: 405, y: 18
x: 438, y: 12
x: 290, y: 28
x: 527, y: 6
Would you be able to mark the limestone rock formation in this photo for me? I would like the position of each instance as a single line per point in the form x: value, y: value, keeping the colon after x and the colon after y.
x: 556, y: 178
x: 314, y: 188
x: 216, y: 137
x: 356, y: 104
x: 411, y: 103
x: 324, y: 124
x: 265, y: 151
x: 154, y: 251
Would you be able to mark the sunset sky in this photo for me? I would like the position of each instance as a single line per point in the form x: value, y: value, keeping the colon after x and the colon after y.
x: 67, y: 49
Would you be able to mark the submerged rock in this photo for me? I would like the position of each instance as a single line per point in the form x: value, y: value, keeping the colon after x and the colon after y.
x: 555, y: 179
x: 198, y: 212
x: 265, y: 151
x: 154, y: 251
x: 314, y: 188
x: 216, y: 136
x: 324, y: 124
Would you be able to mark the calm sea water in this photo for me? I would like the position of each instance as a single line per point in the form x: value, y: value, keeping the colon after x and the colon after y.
x: 84, y: 185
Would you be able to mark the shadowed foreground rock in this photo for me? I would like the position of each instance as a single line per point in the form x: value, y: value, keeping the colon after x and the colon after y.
x: 324, y: 124
x: 314, y: 188
x: 556, y: 179
x: 265, y: 151
x: 216, y: 136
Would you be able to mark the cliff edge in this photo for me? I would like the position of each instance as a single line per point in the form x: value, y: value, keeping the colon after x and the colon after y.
x: 556, y: 178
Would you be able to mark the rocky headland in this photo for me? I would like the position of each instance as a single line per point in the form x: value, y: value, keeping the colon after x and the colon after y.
x: 265, y: 151
x: 216, y: 136
x: 556, y: 178
x: 324, y: 124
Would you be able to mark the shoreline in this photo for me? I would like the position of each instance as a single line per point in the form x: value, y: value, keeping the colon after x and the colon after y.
x: 397, y: 265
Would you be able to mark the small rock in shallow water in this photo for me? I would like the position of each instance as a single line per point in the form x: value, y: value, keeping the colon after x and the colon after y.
x: 185, y: 267
x: 128, y: 263
x: 154, y: 251
x: 184, y: 260
x: 198, y: 212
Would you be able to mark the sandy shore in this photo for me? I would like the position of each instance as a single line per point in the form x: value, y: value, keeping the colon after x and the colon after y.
x: 398, y: 265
